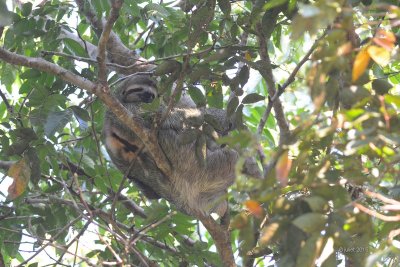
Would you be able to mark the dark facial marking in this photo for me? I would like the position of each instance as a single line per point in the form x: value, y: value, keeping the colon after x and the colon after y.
x: 128, y: 147
x: 146, y: 97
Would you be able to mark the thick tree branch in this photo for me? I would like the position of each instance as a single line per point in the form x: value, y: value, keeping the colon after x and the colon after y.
x: 221, y: 239
x: 265, y: 69
x: 133, y: 122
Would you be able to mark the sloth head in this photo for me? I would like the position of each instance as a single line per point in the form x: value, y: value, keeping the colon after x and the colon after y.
x: 137, y: 89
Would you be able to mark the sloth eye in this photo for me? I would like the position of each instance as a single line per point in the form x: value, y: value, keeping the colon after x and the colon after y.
x: 147, y: 97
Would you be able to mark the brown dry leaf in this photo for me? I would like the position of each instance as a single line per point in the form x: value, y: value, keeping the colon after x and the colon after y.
x: 254, y: 207
x: 21, y: 173
x: 344, y: 49
x: 282, y: 168
x: 360, y: 64
x: 385, y: 39
x: 379, y: 54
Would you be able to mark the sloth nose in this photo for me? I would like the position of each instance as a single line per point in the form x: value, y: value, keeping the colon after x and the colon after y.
x: 147, y: 97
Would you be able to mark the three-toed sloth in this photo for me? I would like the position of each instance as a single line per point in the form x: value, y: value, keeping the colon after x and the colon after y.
x: 198, y: 184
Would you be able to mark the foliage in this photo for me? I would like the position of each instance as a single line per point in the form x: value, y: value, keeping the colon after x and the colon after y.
x: 331, y: 160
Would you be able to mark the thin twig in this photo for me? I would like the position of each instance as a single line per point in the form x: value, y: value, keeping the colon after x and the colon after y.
x: 143, y: 32
x: 150, y: 226
x: 75, y: 239
x: 381, y: 197
x: 395, y: 218
x: 52, y: 239
x: 5, y: 100
x: 103, y: 41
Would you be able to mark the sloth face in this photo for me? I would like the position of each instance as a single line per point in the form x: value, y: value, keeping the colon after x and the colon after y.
x: 138, y: 90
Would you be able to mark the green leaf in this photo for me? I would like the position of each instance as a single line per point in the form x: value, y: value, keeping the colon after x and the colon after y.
x: 56, y: 121
x: 74, y: 47
x: 197, y: 95
x: 310, y: 222
x: 381, y: 86
x: 239, y: 117
x: 273, y: 3
x: 243, y: 75
x: 232, y: 105
x: 80, y: 112
x: 153, y: 106
x: 393, y: 99
x: 156, y: 9
x: 252, y: 98
x: 309, y: 251
x: 26, y: 9
x: 34, y: 163
x: 215, y: 96
x: 82, y: 116
x: 24, y: 27
x: 168, y: 66
x: 30, y: 74
x: 225, y: 7
x: 7, y: 75
x: 316, y: 203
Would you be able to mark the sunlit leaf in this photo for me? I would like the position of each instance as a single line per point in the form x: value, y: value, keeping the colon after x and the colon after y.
x: 379, y: 54
x: 310, y: 222
x: 360, y: 64
x: 273, y: 3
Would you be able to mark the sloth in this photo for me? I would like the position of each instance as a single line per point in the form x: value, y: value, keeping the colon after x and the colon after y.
x: 197, y: 185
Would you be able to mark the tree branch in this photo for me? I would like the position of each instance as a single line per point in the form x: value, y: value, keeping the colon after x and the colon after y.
x: 265, y: 70
x: 221, y: 239
x: 105, y: 36
x: 5, y: 100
